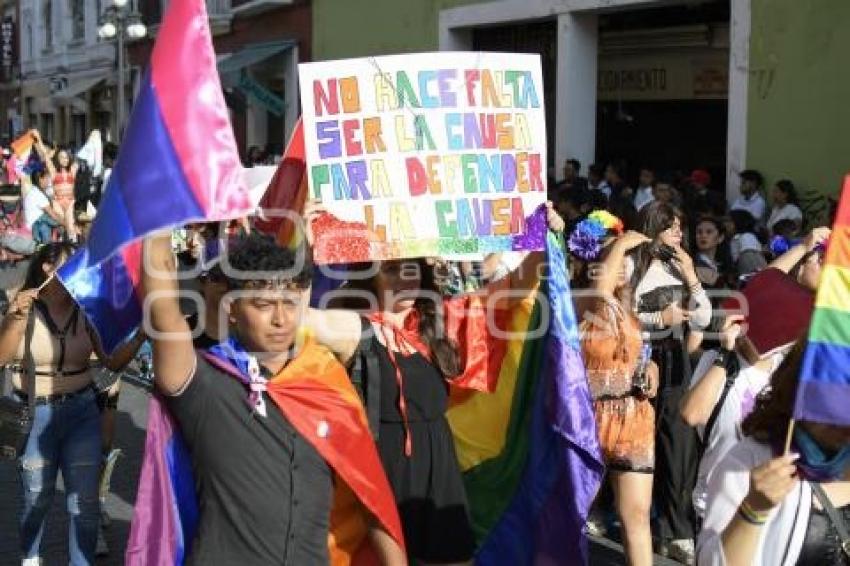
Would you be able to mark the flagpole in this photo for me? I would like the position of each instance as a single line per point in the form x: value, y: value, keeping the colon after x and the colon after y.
x: 789, y: 436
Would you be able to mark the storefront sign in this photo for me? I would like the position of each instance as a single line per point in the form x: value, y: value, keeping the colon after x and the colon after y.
x: 7, y: 43
x: 426, y: 154
x: 270, y: 101
x: 664, y: 75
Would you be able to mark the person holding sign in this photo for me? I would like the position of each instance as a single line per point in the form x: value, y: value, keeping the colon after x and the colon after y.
x: 410, y: 364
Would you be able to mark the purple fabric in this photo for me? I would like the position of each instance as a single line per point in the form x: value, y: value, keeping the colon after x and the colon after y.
x: 155, y: 533
x: 535, y: 231
x: 147, y: 189
x: 824, y: 390
x: 544, y: 523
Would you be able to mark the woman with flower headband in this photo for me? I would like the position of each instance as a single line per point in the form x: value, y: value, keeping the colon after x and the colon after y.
x: 669, y: 299
x: 621, y: 377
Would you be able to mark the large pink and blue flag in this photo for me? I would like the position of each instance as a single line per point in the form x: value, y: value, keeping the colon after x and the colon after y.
x: 178, y: 161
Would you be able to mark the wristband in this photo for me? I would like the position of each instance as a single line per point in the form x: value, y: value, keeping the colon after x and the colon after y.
x: 750, y: 515
x: 722, y: 358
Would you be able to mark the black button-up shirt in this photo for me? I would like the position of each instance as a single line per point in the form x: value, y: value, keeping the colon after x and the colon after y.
x: 265, y: 493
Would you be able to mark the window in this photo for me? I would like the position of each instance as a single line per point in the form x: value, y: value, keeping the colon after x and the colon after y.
x: 30, y: 50
x: 78, y: 19
x: 47, y: 23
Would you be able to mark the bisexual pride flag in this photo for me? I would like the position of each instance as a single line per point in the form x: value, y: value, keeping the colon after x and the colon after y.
x: 823, y: 394
x: 177, y: 163
x: 178, y: 160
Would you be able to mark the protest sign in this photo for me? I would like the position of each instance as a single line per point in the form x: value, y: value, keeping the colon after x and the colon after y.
x: 425, y: 154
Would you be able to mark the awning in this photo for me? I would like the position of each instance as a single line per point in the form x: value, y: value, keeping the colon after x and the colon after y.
x: 251, y: 55
x: 77, y: 88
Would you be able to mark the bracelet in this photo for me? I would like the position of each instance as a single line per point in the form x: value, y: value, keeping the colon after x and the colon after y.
x: 750, y: 515
x: 721, y: 359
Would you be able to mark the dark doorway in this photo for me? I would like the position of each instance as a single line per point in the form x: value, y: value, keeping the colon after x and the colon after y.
x: 663, y: 88
x: 666, y: 135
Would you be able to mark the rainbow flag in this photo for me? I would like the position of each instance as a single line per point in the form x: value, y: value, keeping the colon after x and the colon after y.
x: 178, y: 160
x: 313, y: 389
x: 529, y: 450
x: 823, y: 394
x: 22, y: 146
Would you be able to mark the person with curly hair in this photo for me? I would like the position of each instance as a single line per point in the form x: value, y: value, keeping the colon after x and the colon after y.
x: 266, y: 494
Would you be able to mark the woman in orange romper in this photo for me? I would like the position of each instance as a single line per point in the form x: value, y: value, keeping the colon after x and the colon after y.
x: 622, y: 380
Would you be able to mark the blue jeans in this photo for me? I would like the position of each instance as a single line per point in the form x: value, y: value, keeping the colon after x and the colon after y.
x: 42, y: 229
x: 65, y: 436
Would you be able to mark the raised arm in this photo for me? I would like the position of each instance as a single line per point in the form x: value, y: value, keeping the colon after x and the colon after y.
x: 123, y: 355
x: 698, y: 403
x: 792, y: 257
x: 613, y: 265
x: 173, y: 353
x: 337, y: 329
x: 43, y: 153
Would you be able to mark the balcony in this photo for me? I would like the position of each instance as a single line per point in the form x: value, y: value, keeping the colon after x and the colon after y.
x: 253, y: 7
x: 218, y: 10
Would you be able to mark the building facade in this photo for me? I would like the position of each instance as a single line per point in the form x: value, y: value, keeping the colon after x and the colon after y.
x: 67, y: 72
x: 259, y: 44
x: 677, y: 84
x: 10, y: 71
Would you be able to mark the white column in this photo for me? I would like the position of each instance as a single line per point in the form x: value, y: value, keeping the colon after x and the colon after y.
x: 453, y: 38
x: 575, y: 98
x: 739, y: 76
x: 291, y: 96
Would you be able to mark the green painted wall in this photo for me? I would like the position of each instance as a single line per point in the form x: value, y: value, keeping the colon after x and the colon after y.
x: 357, y: 28
x: 799, y: 92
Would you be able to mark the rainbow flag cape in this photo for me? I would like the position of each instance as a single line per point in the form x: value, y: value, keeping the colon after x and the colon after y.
x: 178, y: 160
x: 529, y: 450
x: 823, y: 394
x: 312, y: 389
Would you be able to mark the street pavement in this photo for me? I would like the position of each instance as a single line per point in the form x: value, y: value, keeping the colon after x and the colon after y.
x: 130, y: 437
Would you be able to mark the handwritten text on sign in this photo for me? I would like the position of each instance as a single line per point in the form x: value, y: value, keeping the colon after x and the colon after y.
x: 426, y: 154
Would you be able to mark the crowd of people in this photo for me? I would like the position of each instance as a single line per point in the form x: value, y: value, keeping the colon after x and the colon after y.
x: 691, y: 414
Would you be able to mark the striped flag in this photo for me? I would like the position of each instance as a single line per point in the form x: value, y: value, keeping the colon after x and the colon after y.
x: 823, y: 394
x: 178, y: 163
x: 529, y: 450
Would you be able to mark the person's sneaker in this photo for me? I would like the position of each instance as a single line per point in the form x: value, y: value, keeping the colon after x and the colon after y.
x: 102, y: 549
x: 682, y: 550
x: 31, y: 561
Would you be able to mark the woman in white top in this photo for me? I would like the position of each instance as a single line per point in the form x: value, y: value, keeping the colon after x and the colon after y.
x: 784, y: 205
x: 668, y: 296
x: 722, y: 392
x: 762, y: 506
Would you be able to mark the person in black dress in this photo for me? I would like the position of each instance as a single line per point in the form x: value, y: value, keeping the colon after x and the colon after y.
x: 404, y: 328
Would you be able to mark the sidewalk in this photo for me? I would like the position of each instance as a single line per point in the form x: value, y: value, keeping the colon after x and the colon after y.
x: 130, y: 437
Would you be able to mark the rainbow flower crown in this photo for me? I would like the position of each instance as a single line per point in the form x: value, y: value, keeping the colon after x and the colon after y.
x: 588, y: 236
